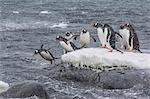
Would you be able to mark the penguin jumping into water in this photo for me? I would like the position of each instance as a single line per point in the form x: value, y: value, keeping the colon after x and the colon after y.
x: 66, y: 44
x: 45, y: 54
x: 109, y: 33
x: 130, y: 40
x: 100, y: 33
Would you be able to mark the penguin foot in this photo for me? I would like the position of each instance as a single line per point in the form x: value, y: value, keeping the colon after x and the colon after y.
x: 110, y: 50
x: 102, y: 46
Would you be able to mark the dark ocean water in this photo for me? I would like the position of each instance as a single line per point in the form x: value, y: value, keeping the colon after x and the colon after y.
x: 26, y: 24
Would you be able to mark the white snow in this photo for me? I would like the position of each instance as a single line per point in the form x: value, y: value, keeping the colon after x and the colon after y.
x: 3, y: 86
x: 101, y: 57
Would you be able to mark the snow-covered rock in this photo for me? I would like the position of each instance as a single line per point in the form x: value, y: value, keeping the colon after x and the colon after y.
x: 3, y: 86
x: 100, y: 57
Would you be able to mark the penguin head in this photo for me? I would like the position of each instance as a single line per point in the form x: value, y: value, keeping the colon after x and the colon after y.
x: 58, y: 38
x: 121, y: 26
x: 84, y: 31
x: 97, y: 25
x: 127, y: 26
x: 106, y: 25
x: 36, y: 52
x: 68, y: 34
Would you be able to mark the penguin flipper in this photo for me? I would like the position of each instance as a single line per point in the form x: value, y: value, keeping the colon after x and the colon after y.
x: 73, y: 46
x: 75, y: 36
x: 130, y: 39
x: 118, y: 34
x: 93, y: 38
x: 51, y: 54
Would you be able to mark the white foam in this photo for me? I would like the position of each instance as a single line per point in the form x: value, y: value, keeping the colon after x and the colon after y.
x: 45, y: 12
x: 3, y: 86
x: 59, y: 25
x: 101, y: 57
x: 16, y: 12
x: 11, y: 25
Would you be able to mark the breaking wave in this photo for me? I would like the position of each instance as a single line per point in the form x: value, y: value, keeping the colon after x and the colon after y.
x: 11, y: 26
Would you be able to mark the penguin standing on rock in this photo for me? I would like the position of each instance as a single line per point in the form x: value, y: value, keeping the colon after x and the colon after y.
x: 45, y: 54
x: 100, y: 33
x: 66, y: 44
x: 85, y: 38
x: 130, y: 40
x: 109, y: 33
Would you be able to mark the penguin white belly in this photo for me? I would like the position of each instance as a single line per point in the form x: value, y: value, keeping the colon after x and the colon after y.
x: 101, y: 36
x: 125, y: 40
x: 106, y: 42
x: 67, y: 47
x: 46, y: 55
x: 85, y: 39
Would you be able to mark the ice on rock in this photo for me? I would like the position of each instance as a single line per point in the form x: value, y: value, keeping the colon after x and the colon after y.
x: 98, y: 57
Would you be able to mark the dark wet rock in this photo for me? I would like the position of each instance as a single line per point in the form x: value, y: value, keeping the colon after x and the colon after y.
x: 116, y: 79
x: 26, y: 89
x: 146, y: 85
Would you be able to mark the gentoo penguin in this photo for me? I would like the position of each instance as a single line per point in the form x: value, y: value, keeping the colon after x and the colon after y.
x: 85, y: 38
x: 130, y: 40
x: 45, y: 54
x: 69, y: 36
x: 67, y: 45
x: 110, y: 37
x: 100, y: 33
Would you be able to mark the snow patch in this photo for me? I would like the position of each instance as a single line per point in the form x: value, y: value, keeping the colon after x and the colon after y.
x: 98, y: 57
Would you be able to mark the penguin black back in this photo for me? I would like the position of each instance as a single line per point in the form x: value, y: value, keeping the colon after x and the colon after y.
x: 45, y: 54
x: 133, y: 34
x: 111, y: 34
